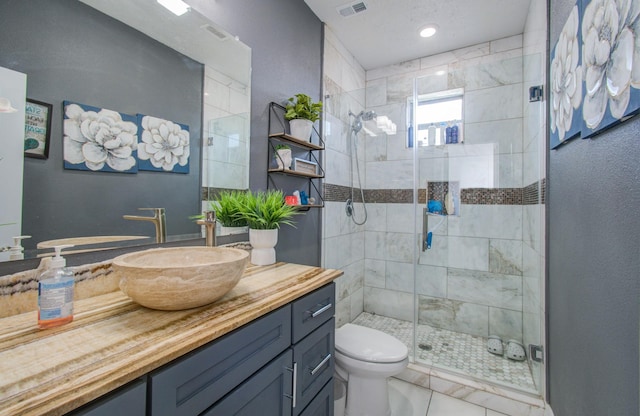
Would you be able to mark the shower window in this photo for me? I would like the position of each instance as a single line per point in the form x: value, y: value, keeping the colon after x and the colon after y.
x: 438, y: 118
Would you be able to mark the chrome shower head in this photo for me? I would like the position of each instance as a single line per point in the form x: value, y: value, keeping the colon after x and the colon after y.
x: 356, y: 126
x: 368, y: 115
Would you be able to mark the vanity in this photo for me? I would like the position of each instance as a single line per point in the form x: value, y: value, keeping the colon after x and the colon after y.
x: 265, y: 348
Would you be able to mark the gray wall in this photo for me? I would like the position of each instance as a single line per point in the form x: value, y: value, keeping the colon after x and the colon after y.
x: 70, y: 51
x: 593, y: 267
x: 286, y: 54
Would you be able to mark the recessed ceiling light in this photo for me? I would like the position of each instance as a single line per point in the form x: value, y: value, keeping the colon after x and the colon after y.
x: 177, y: 7
x: 428, y: 31
x: 441, y: 72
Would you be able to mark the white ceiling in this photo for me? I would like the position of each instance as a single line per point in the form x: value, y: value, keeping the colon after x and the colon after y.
x: 387, y: 31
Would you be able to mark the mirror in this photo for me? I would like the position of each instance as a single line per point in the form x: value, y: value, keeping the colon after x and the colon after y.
x: 132, y: 57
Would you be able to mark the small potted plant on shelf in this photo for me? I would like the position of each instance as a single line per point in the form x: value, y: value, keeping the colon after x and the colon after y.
x: 302, y: 112
x: 283, y: 156
x: 264, y: 213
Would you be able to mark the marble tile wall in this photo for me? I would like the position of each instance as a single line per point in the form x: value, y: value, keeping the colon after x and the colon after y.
x: 472, y: 279
x: 343, y: 245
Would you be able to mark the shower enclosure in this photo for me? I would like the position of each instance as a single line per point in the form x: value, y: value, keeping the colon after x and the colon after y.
x: 481, y: 273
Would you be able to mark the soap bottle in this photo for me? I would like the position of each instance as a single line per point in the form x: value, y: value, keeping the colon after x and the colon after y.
x: 55, y: 293
x: 16, y: 252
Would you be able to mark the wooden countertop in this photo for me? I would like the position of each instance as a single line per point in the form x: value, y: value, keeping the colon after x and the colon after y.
x: 113, y: 340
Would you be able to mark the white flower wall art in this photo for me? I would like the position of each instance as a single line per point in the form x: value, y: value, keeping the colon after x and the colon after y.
x: 97, y: 139
x: 163, y: 145
x: 566, y: 83
x: 610, y: 32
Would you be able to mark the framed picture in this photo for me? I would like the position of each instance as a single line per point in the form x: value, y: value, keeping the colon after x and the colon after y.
x: 305, y: 166
x: 37, y: 129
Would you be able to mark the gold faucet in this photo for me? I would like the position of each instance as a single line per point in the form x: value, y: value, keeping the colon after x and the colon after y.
x: 209, y: 221
x: 158, y: 219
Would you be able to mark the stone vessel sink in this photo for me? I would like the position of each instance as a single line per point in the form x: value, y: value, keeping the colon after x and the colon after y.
x: 180, y: 277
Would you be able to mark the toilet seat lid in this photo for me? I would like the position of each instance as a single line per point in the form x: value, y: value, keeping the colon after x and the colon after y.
x: 366, y: 344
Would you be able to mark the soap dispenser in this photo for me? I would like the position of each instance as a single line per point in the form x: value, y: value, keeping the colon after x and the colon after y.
x: 16, y: 252
x: 55, y: 292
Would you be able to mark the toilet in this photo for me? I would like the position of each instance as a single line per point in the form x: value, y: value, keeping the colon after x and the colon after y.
x: 365, y: 358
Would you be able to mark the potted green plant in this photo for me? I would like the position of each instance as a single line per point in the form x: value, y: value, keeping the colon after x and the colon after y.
x: 283, y: 156
x: 302, y: 112
x: 227, y: 208
x: 265, y: 212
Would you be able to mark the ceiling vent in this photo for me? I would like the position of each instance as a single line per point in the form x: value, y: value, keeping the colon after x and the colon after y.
x: 220, y: 35
x: 351, y: 9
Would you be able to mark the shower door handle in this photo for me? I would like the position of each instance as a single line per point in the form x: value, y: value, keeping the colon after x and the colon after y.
x: 425, y: 229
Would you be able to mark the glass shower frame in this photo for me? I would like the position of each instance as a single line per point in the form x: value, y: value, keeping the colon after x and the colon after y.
x: 481, y: 275
x: 382, y: 284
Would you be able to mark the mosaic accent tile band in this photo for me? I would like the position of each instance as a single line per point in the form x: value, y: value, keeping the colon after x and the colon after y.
x: 532, y: 194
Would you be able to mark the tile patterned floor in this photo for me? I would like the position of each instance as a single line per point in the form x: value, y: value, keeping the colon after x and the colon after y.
x: 406, y: 399
x: 454, y: 351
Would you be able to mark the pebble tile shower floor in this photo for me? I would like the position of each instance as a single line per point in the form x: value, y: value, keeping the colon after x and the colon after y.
x: 453, y: 350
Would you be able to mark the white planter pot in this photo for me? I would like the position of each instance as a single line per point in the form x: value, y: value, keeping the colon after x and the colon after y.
x: 301, y: 128
x: 263, y: 244
x: 283, y: 158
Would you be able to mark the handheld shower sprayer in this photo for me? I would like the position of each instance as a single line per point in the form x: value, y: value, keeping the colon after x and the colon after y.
x: 356, y: 126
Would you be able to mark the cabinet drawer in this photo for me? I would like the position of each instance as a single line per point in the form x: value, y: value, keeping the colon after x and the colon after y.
x: 267, y: 393
x: 312, y: 310
x: 193, y: 384
x: 322, y: 404
x: 127, y: 400
x: 313, y: 357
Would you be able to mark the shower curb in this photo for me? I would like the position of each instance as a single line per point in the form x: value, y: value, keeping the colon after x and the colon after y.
x: 492, y: 397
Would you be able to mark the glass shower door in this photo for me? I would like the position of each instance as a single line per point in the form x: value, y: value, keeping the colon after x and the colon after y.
x: 478, y: 267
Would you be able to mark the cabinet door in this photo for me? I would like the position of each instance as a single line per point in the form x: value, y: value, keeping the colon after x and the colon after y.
x: 312, y: 310
x: 190, y: 385
x: 322, y: 404
x: 129, y: 400
x: 315, y: 363
x: 266, y: 393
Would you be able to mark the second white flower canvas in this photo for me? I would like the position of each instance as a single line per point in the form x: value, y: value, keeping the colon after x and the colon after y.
x: 595, y: 69
x: 611, y: 62
x: 163, y: 145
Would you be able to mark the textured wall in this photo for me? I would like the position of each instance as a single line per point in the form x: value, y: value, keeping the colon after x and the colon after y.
x: 594, y: 267
x: 70, y: 51
x: 285, y: 38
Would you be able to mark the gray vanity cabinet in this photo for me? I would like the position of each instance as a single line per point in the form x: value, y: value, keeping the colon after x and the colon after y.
x: 264, y: 394
x: 315, y: 364
x: 191, y: 384
x: 128, y: 400
x: 322, y: 404
x: 278, y: 365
